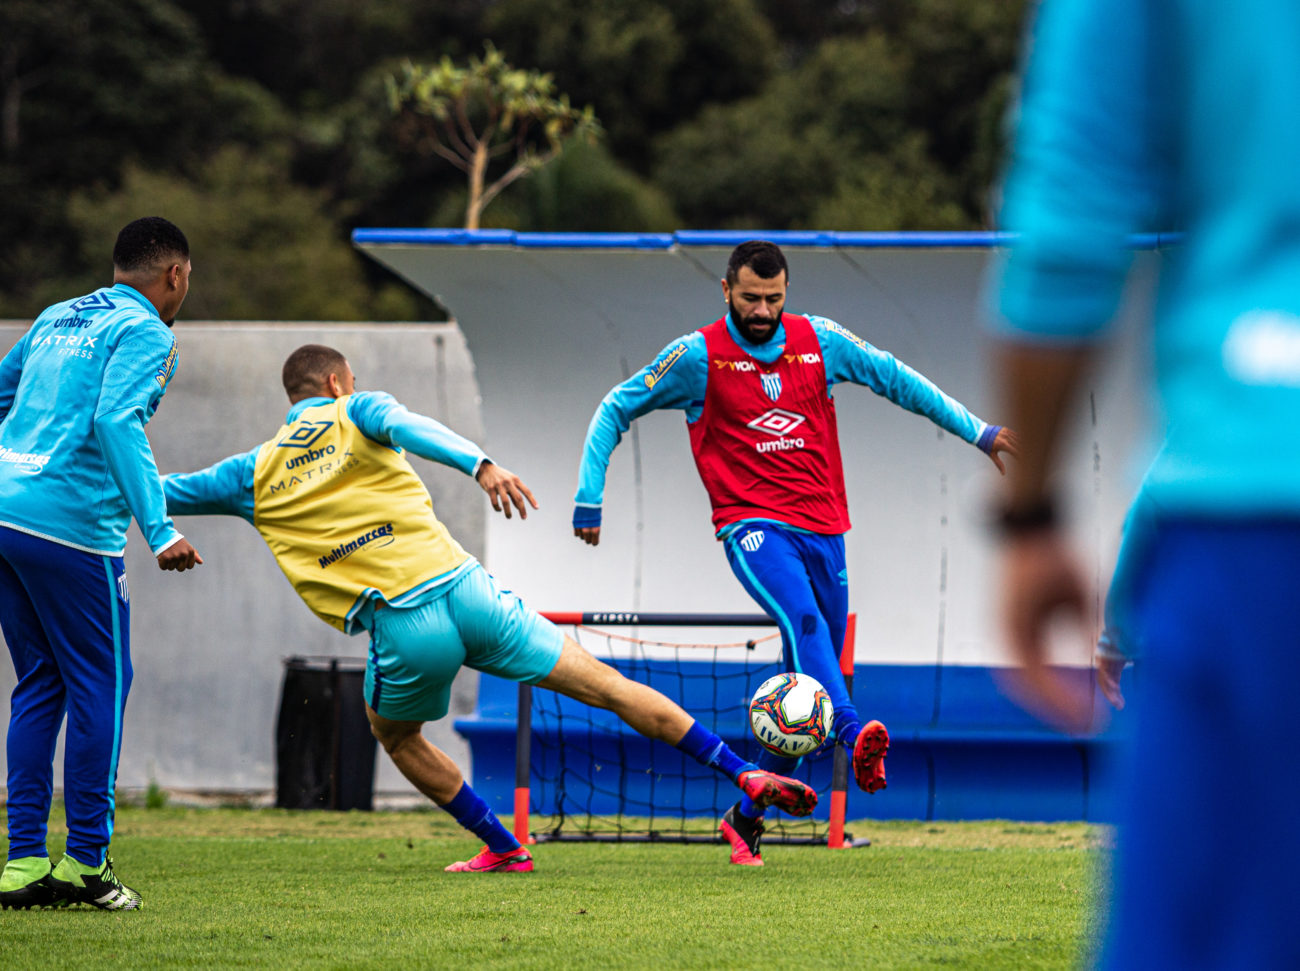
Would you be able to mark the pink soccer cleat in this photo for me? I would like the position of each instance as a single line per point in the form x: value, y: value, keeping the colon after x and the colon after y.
x: 744, y: 835
x: 769, y: 789
x: 869, y: 756
x: 516, y: 861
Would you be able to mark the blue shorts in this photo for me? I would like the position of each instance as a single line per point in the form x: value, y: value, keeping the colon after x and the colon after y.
x: 415, y: 652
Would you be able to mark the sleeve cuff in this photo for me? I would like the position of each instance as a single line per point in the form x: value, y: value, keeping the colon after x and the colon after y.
x: 584, y: 516
x: 168, y: 545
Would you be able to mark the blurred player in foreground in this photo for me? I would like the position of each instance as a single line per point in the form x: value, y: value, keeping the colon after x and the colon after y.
x: 1144, y: 115
x: 75, y: 467
x: 755, y: 386
x: 353, y: 529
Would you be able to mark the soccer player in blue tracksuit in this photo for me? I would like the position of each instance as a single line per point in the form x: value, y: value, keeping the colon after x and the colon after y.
x: 1143, y: 115
x: 755, y: 386
x: 75, y: 466
x: 353, y: 529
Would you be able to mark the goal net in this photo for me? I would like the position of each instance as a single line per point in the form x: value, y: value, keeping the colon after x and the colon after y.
x: 582, y: 774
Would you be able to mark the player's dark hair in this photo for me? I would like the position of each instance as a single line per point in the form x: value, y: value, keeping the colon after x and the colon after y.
x: 764, y: 258
x: 148, y: 243
x: 307, y: 368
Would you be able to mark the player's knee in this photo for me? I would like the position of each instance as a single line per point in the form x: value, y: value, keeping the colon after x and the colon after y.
x: 393, y: 735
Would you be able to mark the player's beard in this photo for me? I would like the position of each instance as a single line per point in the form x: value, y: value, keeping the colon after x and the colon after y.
x: 744, y: 324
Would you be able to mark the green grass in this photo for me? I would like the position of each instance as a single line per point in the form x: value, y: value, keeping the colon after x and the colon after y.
x: 235, y: 888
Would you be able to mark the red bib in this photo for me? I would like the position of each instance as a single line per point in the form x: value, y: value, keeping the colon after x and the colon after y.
x: 766, y: 443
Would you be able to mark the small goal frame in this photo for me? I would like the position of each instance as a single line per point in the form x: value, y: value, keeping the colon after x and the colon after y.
x: 836, y: 838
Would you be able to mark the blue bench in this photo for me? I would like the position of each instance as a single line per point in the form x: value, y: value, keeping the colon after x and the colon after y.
x: 959, y: 748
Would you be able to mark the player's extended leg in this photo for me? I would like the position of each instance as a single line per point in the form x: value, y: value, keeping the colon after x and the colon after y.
x: 828, y: 572
x: 35, y: 715
x: 415, y: 653
x: 587, y: 679
x: 801, y: 581
x: 434, y: 774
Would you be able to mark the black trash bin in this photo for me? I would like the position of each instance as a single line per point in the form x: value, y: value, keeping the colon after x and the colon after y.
x: 324, y: 752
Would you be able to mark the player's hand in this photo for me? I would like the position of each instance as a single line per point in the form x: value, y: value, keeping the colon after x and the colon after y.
x: 180, y: 556
x: 1006, y: 441
x: 1108, y: 672
x: 588, y: 534
x: 505, y: 488
x: 1040, y: 583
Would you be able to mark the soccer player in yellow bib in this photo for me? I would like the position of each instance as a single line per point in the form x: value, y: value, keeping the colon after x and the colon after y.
x: 353, y: 529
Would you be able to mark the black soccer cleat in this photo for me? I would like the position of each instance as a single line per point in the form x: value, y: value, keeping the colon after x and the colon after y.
x: 38, y: 893
x: 100, y: 888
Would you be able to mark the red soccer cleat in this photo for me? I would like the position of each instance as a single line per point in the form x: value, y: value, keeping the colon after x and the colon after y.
x: 869, y: 756
x: 769, y: 789
x: 516, y: 861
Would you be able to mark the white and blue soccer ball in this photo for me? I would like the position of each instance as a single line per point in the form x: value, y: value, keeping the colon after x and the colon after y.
x: 790, y: 714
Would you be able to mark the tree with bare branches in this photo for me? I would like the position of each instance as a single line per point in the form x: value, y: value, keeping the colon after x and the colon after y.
x: 487, y: 111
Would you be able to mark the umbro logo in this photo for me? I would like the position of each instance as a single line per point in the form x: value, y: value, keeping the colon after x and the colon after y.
x: 304, y: 433
x: 95, y: 301
x: 776, y: 421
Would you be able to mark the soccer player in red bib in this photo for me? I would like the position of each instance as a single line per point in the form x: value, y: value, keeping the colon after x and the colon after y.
x: 755, y: 386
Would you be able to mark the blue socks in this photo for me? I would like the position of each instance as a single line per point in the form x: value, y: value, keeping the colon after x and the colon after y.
x: 846, y: 727
x: 707, y: 749
x: 473, y: 813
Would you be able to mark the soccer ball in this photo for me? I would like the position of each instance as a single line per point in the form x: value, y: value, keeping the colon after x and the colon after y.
x: 790, y: 714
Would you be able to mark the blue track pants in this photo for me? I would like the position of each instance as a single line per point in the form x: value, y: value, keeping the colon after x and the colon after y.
x: 66, y: 620
x: 800, y: 580
x: 1209, y: 851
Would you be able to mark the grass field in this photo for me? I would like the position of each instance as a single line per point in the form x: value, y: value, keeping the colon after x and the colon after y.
x: 241, y: 888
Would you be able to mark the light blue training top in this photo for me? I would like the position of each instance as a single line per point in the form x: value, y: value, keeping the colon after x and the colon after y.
x: 1142, y: 115
x: 225, y: 488
x: 680, y: 374
x: 75, y: 394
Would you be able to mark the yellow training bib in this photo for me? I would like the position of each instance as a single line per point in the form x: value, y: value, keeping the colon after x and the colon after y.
x: 345, y: 515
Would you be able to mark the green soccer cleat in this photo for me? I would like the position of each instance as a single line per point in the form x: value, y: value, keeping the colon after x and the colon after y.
x: 26, y: 883
x: 97, y: 886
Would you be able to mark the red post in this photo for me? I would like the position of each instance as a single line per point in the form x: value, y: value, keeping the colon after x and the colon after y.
x: 840, y: 774
x: 523, y: 751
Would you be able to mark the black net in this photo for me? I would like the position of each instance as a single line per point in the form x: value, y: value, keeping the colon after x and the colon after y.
x: 594, y: 778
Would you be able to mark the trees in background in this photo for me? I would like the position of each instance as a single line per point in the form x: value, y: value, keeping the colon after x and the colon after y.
x: 481, y: 114
x: 763, y: 114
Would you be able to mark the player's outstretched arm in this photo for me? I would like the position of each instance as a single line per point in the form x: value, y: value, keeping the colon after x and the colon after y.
x: 505, y: 488
x: 675, y: 379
